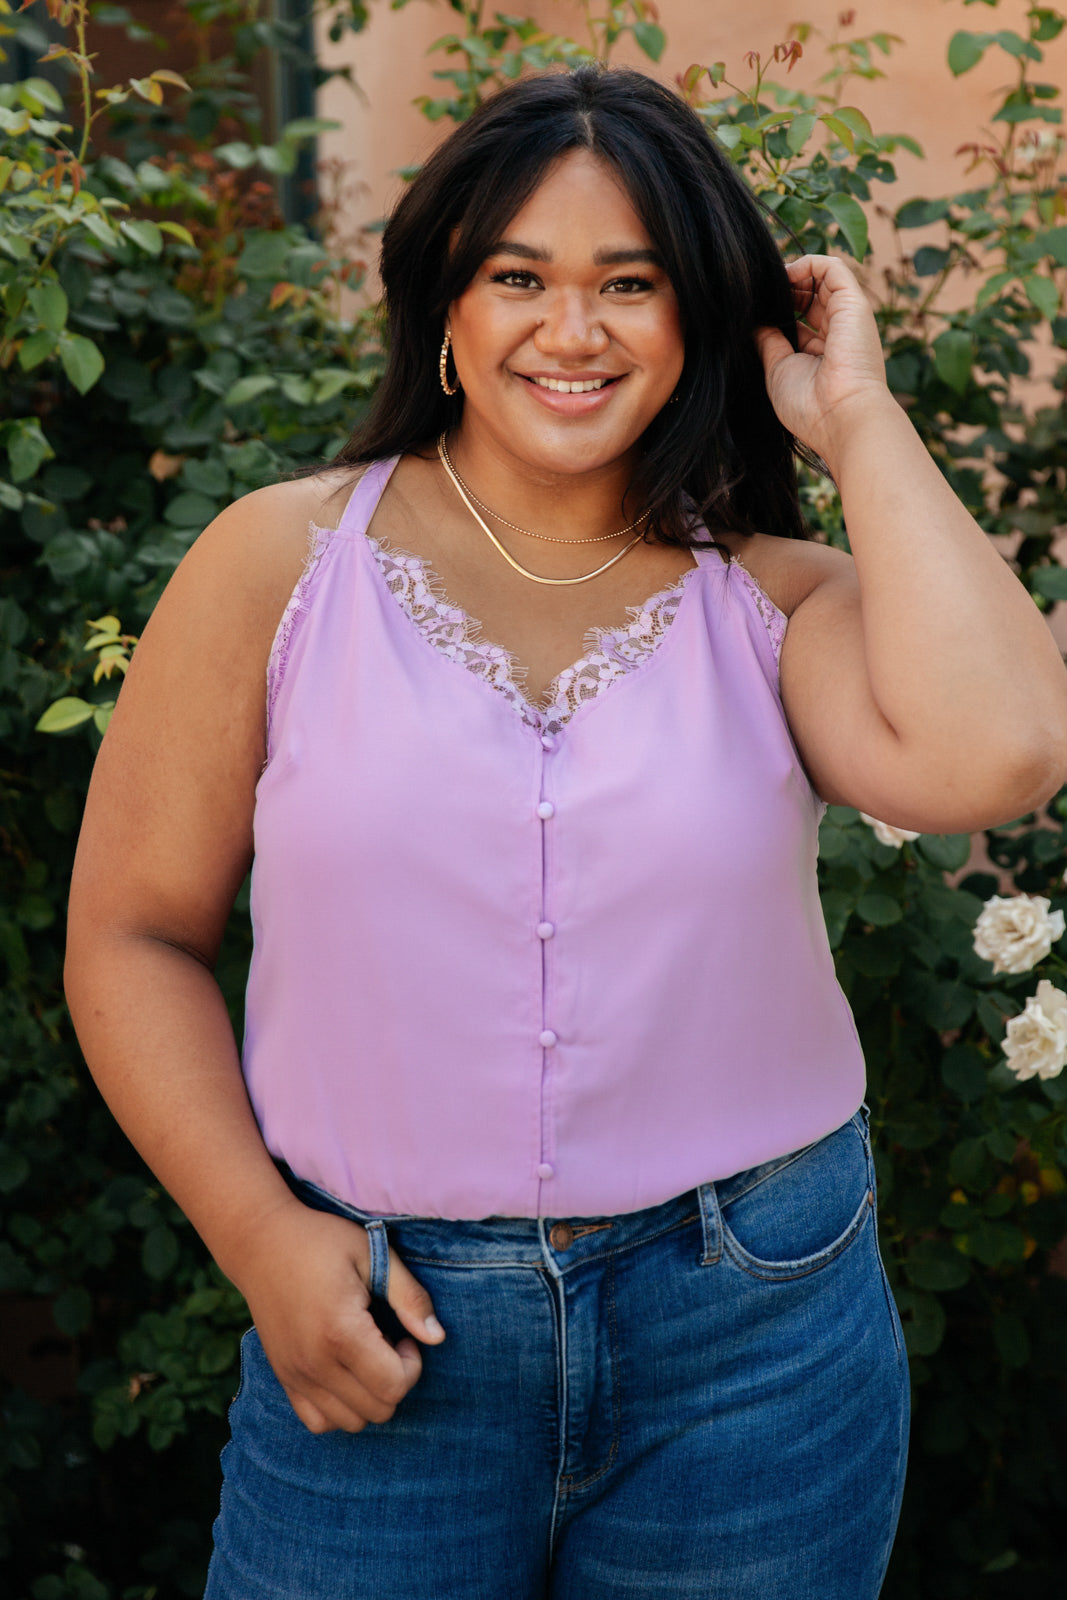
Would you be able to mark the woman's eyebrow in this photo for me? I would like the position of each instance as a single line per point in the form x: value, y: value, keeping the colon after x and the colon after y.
x: 601, y: 258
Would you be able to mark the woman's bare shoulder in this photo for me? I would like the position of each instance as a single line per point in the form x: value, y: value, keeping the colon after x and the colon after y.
x: 789, y: 570
x: 255, y: 550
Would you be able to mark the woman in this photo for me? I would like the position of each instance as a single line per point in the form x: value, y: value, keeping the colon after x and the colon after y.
x: 543, y: 1032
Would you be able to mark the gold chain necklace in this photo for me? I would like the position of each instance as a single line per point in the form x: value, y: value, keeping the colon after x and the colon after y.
x: 464, y: 495
x: 598, y: 538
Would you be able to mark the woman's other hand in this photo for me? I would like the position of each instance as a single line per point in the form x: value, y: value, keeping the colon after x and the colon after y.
x: 304, y: 1274
x: 839, y: 362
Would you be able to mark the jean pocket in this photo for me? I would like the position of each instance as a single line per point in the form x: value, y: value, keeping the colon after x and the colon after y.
x: 792, y: 1216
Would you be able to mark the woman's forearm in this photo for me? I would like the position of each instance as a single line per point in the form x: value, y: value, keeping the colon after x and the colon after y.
x: 961, y: 662
x: 155, y: 1032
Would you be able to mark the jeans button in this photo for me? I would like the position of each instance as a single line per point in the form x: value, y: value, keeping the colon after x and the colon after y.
x: 561, y: 1236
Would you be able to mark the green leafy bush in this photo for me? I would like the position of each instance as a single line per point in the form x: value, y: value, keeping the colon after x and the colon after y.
x: 168, y: 343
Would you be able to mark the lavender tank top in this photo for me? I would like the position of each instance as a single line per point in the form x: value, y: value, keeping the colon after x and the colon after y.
x: 523, y: 962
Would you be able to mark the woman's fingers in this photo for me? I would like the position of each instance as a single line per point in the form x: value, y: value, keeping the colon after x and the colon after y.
x: 412, y: 1304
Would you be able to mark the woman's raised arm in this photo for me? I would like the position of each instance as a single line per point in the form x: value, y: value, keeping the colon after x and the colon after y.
x: 921, y: 683
x: 166, y: 841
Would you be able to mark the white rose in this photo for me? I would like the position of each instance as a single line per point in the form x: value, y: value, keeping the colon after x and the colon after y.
x: 1016, y: 932
x: 1036, y: 1041
x: 885, y: 834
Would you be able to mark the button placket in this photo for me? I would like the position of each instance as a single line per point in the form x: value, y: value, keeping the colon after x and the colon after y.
x: 546, y: 931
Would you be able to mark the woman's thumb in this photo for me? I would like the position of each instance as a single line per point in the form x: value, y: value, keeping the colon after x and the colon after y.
x: 412, y: 1304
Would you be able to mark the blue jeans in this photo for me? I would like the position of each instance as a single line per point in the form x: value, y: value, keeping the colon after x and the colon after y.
x: 705, y: 1400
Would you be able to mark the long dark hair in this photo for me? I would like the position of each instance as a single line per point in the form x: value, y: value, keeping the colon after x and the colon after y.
x: 720, y: 456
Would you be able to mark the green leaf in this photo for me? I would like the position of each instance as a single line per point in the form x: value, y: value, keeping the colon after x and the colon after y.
x: 854, y: 119
x: 331, y: 382
x: 965, y: 50
x: 237, y: 153
x: 969, y: 1164
x: 949, y: 851
x: 82, y: 361
x: 100, y: 228
x: 1042, y: 293
x: 264, y: 255
x: 50, y: 306
x: 1017, y: 46
x: 27, y: 447
x: 948, y: 1004
x: 218, y: 1354
x: 102, y: 715
x: 296, y: 389
x: 1045, y: 24
x: 144, y: 234
x: 881, y: 910
x: 923, y: 1320
x: 651, y: 38
x: 965, y: 1071
x: 1053, y: 241
x: 919, y: 213
x: 190, y: 510
x: 159, y: 1252
x: 799, y: 131
x: 176, y: 231
x: 64, y: 714
x: 250, y: 388
x: 850, y: 218
x: 37, y: 348
x: 954, y: 357
x: 839, y: 129
x: 930, y: 260
x: 206, y: 476
x: 15, y: 246
x: 934, y: 1264
x: 1050, y: 581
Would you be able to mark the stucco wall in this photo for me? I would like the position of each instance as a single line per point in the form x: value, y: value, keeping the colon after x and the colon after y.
x: 382, y: 130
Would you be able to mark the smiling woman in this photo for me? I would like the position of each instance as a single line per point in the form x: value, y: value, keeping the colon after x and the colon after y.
x: 543, y: 1031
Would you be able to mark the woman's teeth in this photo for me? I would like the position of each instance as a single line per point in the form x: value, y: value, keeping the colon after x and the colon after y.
x: 561, y: 386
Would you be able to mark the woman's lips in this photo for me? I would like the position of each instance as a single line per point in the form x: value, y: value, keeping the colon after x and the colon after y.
x: 571, y: 405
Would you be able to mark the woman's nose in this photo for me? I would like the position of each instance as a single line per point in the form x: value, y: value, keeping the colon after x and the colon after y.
x: 571, y: 325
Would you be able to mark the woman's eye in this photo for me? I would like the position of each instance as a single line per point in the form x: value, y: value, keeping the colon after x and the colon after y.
x: 514, y: 279
x: 630, y: 285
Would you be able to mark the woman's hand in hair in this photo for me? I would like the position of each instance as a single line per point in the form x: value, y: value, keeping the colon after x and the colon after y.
x: 838, y: 367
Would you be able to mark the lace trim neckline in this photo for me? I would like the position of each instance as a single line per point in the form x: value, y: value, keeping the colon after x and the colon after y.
x: 610, y: 653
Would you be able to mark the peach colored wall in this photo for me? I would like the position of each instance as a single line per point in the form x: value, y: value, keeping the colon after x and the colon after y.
x: 382, y: 131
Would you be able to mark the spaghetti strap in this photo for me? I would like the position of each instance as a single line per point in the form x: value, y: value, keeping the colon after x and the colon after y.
x: 363, y: 501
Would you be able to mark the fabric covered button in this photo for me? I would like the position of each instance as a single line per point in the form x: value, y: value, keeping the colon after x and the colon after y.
x: 545, y: 810
x: 546, y: 1171
x: 547, y: 1039
x: 545, y: 930
x: 547, y: 742
x: 561, y: 1236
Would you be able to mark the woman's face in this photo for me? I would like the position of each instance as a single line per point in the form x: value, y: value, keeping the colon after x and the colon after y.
x: 574, y: 295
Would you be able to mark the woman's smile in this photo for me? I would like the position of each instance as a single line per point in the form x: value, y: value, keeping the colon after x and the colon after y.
x: 568, y: 341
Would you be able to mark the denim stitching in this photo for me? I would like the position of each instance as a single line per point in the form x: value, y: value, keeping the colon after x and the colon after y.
x: 804, y: 1266
x: 616, y: 1398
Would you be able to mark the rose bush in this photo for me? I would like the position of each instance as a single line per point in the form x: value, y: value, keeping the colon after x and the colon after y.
x: 1016, y: 932
x: 1035, y: 1042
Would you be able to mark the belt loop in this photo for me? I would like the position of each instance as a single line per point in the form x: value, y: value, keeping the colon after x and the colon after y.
x: 710, y: 1224
x: 379, y: 1259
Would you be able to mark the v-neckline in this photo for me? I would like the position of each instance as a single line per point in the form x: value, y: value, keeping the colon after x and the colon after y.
x: 496, y: 666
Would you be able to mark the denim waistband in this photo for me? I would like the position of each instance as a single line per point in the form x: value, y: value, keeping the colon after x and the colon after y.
x: 556, y: 1242
x: 519, y: 1241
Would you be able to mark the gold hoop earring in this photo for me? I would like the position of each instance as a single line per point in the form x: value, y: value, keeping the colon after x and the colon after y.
x: 442, y: 366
